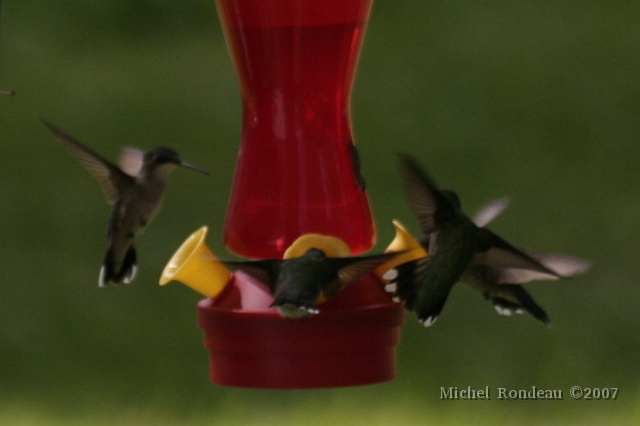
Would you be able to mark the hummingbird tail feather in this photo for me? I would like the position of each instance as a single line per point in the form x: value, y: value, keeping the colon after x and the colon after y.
x: 430, y: 304
x: 407, y: 285
x: 125, y: 274
x: 405, y: 280
x: 524, y: 302
x: 129, y: 269
x: 294, y: 311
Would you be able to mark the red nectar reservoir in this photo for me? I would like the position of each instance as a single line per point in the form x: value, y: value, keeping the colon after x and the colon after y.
x: 297, y: 169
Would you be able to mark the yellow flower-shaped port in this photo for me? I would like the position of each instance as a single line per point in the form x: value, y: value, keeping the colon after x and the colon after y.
x: 330, y: 246
x: 195, y: 265
x: 409, y: 248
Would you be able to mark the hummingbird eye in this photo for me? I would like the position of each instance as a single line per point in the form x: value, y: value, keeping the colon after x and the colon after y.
x: 162, y: 155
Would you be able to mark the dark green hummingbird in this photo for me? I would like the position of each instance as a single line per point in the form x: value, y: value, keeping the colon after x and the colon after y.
x: 135, y: 189
x: 298, y: 284
x: 454, y: 242
x: 501, y: 285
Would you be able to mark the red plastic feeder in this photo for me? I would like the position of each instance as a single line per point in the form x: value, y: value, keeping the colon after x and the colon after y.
x: 352, y: 341
x: 297, y: 174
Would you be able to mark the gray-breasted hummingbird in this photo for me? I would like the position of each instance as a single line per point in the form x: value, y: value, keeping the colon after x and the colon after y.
x: 454, y: 243
x: 135, y: 189
x: 298, y: 284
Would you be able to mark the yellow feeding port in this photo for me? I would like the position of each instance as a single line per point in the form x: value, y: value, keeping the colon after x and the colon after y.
x: 403, y: 242
x: 195, y: 265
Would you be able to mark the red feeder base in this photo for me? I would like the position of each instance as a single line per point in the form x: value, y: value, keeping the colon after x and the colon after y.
x: 352, y: 341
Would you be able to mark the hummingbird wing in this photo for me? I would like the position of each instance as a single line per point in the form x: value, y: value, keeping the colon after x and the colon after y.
x: 490, y: 211
x: 131, y: 160
x: 481, y: 277
x: 496, y: 252
x: 353, y: 268
x: 350, y: 269
x: 430, y: 206
x: 518, y: 276
x: 564, y: 265
x: 266, y: 271
x: 110, y: 177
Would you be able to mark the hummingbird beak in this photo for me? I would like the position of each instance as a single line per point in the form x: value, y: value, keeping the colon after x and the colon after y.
x: 191, y: 166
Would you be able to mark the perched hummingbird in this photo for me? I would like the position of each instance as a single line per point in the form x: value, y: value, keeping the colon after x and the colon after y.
x: 454, y: 243
x: 500, y: 285
x: 135, y: 190
x: 299, y: 283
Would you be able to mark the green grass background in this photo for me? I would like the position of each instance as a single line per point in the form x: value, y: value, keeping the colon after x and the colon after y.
x: 539, y: 101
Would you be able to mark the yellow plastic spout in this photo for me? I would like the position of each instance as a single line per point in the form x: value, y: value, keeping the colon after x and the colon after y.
x: 331, y: 246
x: 195, y: 265
x: 405, y: 243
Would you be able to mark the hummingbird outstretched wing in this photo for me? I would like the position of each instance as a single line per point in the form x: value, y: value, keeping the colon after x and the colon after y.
x: 351, y: 269
x: 110, y: 177
x: 490, y: 211
x: 509, y: 276
x: 428, y: 203
x: 266, y: 271
x: 495, y: 252
x: 563, y: 265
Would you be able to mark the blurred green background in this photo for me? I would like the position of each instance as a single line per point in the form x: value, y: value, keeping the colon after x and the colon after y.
x: 539, y: 101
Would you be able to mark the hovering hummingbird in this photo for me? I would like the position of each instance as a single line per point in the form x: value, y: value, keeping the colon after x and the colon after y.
x: 299, y: 283
x: 136, y: 192
x: 500, y: 285
x: 454, y: 242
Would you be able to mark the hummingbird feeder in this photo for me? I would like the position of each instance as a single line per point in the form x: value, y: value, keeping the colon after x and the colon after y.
x: 296, y: 179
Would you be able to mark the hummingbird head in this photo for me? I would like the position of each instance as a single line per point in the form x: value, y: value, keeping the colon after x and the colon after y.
x: 315, y: 254
x: 166, y: 158
x: 452, y: 197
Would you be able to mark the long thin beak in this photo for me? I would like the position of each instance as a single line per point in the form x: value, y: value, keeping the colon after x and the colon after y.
x: 191, y: 166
